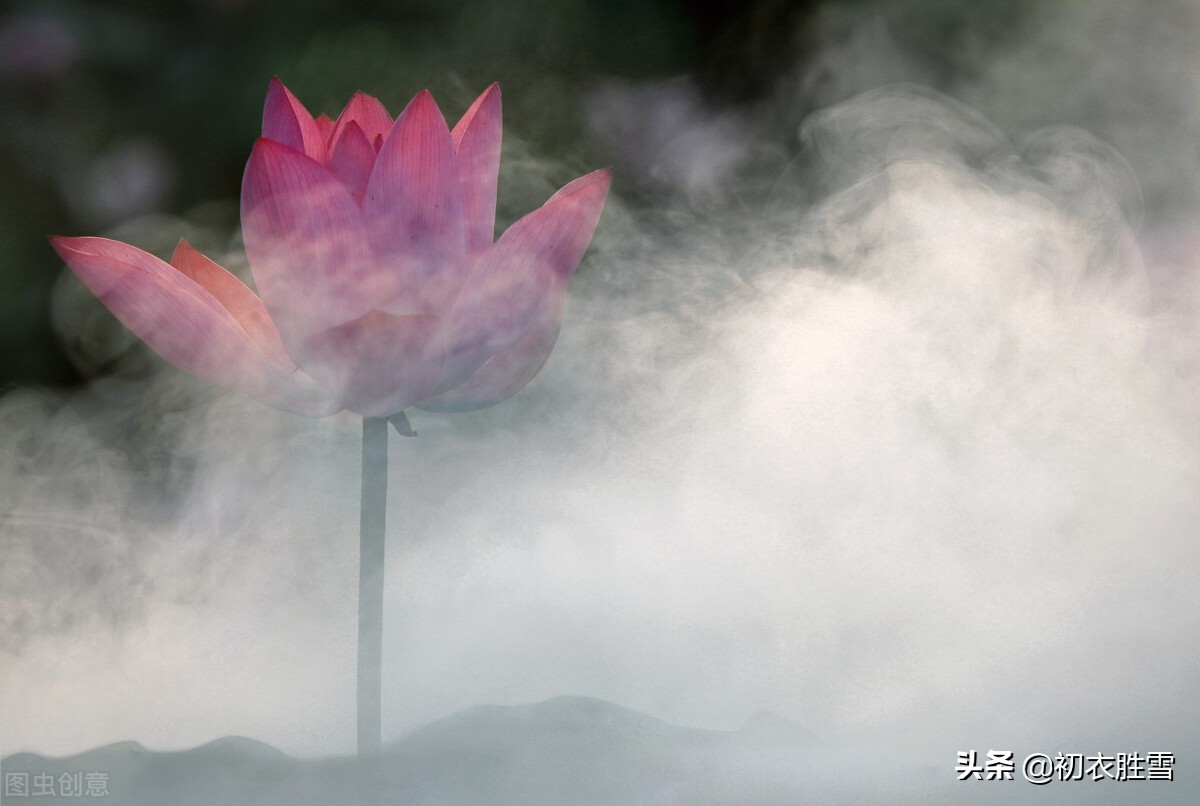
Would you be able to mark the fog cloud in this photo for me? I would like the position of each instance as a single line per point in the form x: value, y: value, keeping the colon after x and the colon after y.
x: 888, y: 426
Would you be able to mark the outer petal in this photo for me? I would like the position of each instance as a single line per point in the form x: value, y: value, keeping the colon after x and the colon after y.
x: 352, y: 160
x: 307, y: 246
x: 371, y: 116
x: 286, y: 121
x: 413, y: 210
x: 233, y: 294
x: 522, y: 275
x: 184, y: 323
x: 477, y: 143
x: 378, y: 364
x: 508, y: 371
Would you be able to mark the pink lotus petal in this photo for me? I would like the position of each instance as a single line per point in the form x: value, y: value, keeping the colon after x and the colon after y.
x: 286, y: 121
x: 525, y: 272
x: 413, y: 209
x: 352, y: 160
x: 326, y: 125
x: 233, y: 294
x: 307, y: 246
x: 553, y: 237
x: 370, y: 115
x: 185, y: 323
x: 371, y: 244
x: 507, y: 372
x: 477, y: 143
x: 378, y: 364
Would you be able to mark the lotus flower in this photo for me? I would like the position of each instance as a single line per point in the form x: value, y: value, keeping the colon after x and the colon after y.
x: 371, y: 244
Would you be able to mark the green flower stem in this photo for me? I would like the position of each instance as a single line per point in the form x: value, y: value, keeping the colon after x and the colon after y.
x: 370, y: 584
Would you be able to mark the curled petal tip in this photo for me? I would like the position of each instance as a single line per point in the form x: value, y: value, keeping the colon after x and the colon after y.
x: 489, y: 97
x: 69, y: 241
x: 182, y: 252
x: 365, y: 110
x: 287, y: 121
x: 67, y: 246
x: 422, y: 106
x: 359, y: 95
x: 600, y: 174
x: 597, y: 181
x: 265, y: 147
x: 424, y: 99
x: 62, y: 245
x: 601, y: 179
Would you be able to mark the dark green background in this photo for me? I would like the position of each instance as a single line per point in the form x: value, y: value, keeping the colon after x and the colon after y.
x: 80, y: 79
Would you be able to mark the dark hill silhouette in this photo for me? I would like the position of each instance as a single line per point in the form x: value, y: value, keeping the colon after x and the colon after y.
x: 563, y: 750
